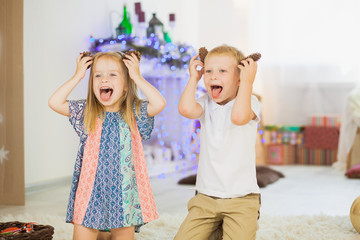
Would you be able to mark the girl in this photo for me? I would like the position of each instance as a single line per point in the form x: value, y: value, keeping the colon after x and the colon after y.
x: 110, y: 188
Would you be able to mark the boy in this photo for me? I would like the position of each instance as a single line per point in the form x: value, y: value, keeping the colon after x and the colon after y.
x: 228, y: 194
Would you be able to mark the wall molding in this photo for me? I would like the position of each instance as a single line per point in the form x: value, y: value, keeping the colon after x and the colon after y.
x: 47, y: 185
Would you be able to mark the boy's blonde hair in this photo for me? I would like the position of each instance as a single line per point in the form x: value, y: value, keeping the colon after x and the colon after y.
x: 227, y: 50
x: 95, y: 109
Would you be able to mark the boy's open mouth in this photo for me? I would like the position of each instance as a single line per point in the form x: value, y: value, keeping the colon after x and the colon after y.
x: 216, y: 90
x: 105, y: 93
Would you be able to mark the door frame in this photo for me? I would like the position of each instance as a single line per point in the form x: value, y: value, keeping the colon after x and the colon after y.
x: 12, y: 175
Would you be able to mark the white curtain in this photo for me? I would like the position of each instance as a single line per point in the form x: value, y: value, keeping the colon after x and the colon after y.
x: 349, y: 126
x: 310, y: 60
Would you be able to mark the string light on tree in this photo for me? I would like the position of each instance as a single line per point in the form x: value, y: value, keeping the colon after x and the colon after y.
x: 175, y: 56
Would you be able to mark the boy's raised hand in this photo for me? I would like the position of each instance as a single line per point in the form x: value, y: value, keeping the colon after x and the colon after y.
x: 194, y: 73
x: 248, y: 71
x: 83, y: 64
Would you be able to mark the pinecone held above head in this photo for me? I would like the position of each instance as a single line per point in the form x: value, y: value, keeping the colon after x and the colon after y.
x: 86, y: 54
x: 254, y: 56
x: 202, y: 53
x: 129, y: 52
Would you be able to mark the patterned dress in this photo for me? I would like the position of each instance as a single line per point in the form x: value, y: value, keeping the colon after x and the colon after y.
x: 110, y: 187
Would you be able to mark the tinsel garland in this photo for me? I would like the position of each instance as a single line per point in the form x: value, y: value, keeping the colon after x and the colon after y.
x: 175, y: 56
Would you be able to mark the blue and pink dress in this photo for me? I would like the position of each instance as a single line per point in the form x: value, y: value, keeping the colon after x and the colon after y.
x: 110, y: 187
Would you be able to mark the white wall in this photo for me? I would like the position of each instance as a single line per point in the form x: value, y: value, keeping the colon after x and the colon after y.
x: 224, y: 22
x: 55, y: 32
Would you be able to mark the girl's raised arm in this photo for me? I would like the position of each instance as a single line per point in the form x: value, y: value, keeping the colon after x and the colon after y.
x: 57, y: 101
x: 188, y: 106
x: 156, y: 100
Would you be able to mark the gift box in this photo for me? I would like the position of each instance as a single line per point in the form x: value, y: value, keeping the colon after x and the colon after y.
x: 275, y: 154
x: 291, y: 154
x: 325, y: 121
x: 334, y: 121
x: 283, y: 134
x: 321, y: 137
x: 308, y: 156
x: 282, y: 154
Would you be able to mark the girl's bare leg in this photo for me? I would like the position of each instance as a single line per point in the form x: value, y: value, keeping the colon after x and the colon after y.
x: 82, y: 233
x: 125, y: 233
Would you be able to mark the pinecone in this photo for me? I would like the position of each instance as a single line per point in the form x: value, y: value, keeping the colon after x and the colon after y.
x: 86, y: 54
x: 203, y: 52
x: 254, y: 56
x: 129, y: 52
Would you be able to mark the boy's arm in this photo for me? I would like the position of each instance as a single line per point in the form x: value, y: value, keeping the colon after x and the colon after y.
x: 188, y: 107
x: 156, y: 100
x: 57, y: 101
x: 241, y: 112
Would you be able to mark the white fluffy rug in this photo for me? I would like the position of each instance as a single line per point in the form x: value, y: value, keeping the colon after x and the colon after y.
x: 320, y: 227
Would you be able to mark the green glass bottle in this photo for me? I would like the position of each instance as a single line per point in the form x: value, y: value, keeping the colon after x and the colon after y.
x: 167, y: 37
x: 125, y: 26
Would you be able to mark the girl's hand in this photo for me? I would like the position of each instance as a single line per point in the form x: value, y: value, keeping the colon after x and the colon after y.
x: 156, y: 101
x: 57, y: 101
x: 83, y: 64
x: 248, y: 71
x: 132, y: 64
x: 194, y: 73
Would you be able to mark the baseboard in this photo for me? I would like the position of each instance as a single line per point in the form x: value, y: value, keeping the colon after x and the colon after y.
x: 46, y: 185
x: 155, y: 170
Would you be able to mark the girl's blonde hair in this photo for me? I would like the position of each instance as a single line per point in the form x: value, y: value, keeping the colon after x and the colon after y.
x: 95, y: 109
x: 227, y: 50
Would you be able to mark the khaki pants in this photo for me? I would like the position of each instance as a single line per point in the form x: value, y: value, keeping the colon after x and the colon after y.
x: 217, y: 218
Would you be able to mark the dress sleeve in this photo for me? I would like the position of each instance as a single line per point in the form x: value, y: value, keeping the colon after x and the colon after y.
x: 77, y: 109
x: 145, y: 124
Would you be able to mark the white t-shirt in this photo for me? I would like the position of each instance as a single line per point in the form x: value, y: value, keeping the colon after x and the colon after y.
x: 227, y: 151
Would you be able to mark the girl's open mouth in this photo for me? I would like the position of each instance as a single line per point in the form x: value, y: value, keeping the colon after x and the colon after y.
x: 105, y: 93
x: 216, y: 90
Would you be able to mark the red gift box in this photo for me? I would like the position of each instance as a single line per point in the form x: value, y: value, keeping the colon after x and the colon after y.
x: 321, y: 137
